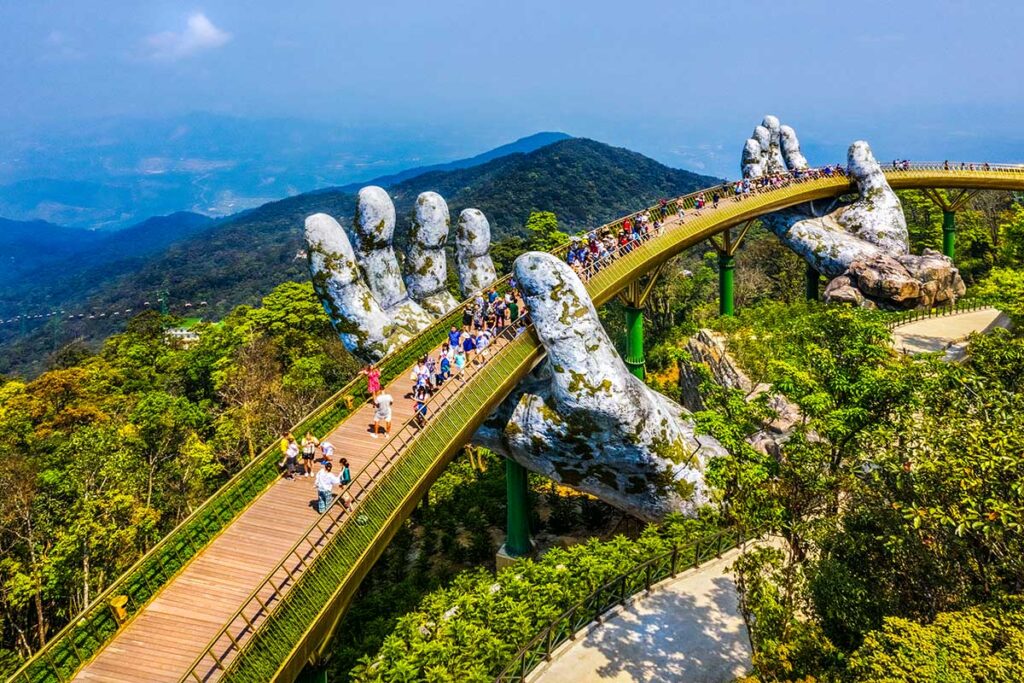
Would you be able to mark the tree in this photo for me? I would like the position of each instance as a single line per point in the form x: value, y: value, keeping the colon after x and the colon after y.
x: 542, y: 231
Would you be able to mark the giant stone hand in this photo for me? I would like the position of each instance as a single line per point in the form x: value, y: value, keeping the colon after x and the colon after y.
x: 372, y: 307
x: 861, y: 246
x: 582, y: 419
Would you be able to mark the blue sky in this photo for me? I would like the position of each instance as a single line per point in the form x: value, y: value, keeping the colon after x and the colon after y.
x: 684, y: 82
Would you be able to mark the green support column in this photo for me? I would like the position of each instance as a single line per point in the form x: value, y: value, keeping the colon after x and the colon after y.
x: 813, y: 279
x: 949, y: 233
x: 517, y: 540
x: 726, y: 266
x: 313, y: 674
x: 635, y: 341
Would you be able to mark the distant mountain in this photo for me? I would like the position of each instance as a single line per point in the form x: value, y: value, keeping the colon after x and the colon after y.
x: 47, y: 265
x: 240, y: 259
x: 520, y: 146
x: 113, y: 173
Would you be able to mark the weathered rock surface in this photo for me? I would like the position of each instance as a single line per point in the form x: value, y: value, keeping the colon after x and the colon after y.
x: 584, y: 420
x: 707, y: 349
x: 472, y: 256
x: 863, y: 246
x: 358, y: 279
x: 374, y: 230
x: 364, y: 327
x: 426, y: 265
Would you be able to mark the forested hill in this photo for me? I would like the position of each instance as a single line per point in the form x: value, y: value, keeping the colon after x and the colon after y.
x: 242, y: 258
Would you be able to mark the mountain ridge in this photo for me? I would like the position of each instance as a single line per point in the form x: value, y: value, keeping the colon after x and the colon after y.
x: 238, y: 260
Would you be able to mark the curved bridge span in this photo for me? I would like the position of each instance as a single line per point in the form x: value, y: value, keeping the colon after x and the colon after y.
x: 253, y: 584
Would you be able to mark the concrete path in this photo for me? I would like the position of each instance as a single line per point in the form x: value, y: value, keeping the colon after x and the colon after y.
x: 686, y: 629
x: 945, y: 333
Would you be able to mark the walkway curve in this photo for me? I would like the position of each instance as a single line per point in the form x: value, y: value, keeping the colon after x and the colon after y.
x: 945, y: 333
x: 277, y: 642
x: 686, y: 629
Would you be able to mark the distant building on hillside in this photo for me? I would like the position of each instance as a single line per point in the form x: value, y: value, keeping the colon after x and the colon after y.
x: 181, y: 336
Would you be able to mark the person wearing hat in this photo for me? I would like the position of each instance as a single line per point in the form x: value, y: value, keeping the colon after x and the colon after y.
x: 325, y: 483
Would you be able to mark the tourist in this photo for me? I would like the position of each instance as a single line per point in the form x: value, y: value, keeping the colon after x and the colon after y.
x: 460, y: 360
x: 714, y: 200
x: 454, y: 337
x: 467, y: 316
x: 325, y: 483
x: 513, y: 310
x: 445, y: 370
x: 372, y: 379
x: 382, y: 413
x: 291, y: 458
x: 346, y: 474
x: 500, y: 309
x: 421, y: 409
x: 309, y: 446
x: 326, y: 452
x: 468, y: 347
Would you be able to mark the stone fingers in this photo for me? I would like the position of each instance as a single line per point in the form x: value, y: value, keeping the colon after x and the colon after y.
x: 426, y: 265
x: 877, y: 216
x: 364, y: 327
x: 599, y: 428
x: 373, y: 232
x: 791, y: 154
x: 472, y: 245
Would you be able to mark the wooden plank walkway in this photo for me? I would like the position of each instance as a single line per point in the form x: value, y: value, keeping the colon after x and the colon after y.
x: 163, y: 640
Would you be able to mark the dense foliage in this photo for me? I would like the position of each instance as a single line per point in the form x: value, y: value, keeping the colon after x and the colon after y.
x: 101, y: 456
x: 899, y: 495
x: 470, y: 629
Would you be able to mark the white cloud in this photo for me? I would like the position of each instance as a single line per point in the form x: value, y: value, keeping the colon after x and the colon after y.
x: 199, y: 34
x: 59, y: 47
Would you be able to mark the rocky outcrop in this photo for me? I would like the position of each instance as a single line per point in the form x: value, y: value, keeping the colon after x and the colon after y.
x: 584, y: 420
x: 863, y: 245
x: 358, y: 279
x: 706, y: 350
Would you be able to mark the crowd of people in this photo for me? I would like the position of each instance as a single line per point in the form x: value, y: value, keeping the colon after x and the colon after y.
x: 589, y: 252
x: 312, y: 451
x: 487, y: 316
x: 491, y: 313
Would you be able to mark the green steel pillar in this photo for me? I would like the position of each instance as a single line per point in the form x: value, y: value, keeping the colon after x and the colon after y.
x: 517, y: 540
x: 813, y: 278
x: 635, y: 341
x: 313, y: 674
x: 726, y: 266
x: 949, y: 233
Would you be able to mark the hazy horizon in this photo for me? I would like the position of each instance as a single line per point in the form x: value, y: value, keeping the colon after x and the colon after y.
x: 96, y: 93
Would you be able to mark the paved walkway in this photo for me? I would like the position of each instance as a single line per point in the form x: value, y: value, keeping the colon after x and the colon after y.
x: 945, y: 333
x: 686, y: 629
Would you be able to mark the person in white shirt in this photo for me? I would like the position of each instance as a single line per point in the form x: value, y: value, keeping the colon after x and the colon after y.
x: 382, y: 413
x: 327, y: 449
x: 325, y: 483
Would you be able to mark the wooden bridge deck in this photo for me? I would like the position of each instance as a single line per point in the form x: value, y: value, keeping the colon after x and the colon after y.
x: 163, y: 640
x: 166, y: 637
